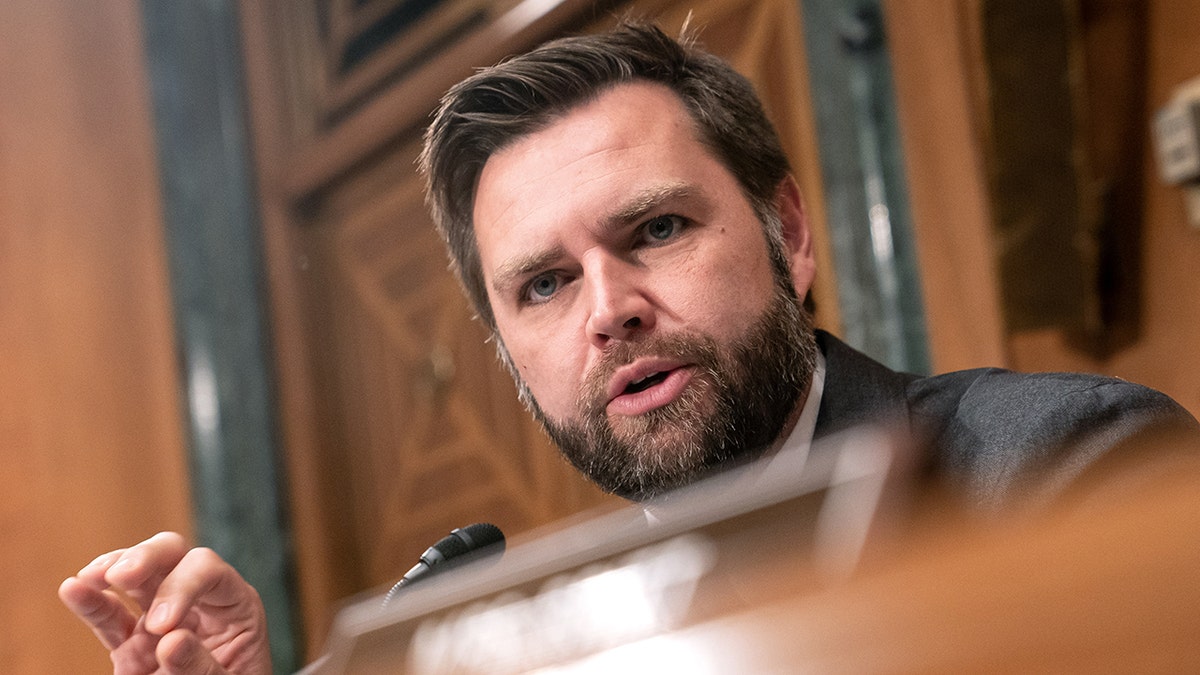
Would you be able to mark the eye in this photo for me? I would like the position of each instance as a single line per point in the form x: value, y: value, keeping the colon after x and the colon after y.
x: 541, y: 288
x: 662, y: 228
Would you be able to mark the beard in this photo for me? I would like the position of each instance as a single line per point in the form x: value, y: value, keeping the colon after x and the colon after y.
x: 740, y: 397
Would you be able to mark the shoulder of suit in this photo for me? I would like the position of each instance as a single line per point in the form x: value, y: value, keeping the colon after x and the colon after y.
x: 999, y: 390
x: 992, y: 410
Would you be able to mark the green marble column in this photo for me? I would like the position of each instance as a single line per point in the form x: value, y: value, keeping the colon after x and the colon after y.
x: 214, y: 252
x: 866, y: 194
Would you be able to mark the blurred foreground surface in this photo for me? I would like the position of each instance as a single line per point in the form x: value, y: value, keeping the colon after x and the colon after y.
x: 820, y: 575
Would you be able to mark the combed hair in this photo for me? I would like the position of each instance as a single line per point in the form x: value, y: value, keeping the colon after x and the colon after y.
x: 499, y: 105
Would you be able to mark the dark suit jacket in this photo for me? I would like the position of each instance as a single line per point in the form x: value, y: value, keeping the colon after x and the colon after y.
x: 992, y: 435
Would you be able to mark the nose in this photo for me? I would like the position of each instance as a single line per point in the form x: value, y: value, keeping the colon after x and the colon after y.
x: 620, y: 306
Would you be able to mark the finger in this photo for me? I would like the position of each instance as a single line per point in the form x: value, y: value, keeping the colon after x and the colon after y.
x: 139, y: 570
x: 136, y: 656
x: 93, y: 573
x: 103, y: 611
x: 181, y: 653
x: 204, y: 580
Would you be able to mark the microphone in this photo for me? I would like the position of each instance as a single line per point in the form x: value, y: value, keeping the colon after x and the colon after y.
x: 460, y: 541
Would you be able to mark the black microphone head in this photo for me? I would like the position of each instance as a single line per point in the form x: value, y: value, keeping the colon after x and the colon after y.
x: 459, y: 542
x: 464, y: 540
x: 480, y: 535
x: 450, y: 546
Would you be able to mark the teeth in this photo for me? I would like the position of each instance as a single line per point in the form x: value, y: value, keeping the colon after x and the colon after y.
x: 645, y: 383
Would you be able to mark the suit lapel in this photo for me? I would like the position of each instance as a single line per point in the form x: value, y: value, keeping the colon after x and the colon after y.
x: 858, y: 390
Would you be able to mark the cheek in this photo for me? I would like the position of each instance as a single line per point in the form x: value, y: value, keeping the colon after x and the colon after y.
x: 547, y: 368
x: 722, y: 296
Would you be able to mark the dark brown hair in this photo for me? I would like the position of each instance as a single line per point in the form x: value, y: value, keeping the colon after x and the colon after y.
x: 493, y: 108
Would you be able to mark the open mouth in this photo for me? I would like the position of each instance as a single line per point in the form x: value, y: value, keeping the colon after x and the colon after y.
x: 654, y: 390
x: 645, y: 383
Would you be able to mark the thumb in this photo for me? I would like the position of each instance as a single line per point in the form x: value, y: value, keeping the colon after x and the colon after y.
x: 181, y: 653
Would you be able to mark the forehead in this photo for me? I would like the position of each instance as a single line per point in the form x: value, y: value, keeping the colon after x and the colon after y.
x: 631, y: 140
x: 616, y: 123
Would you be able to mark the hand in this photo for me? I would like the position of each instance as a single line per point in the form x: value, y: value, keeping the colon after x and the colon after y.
x: 161, y: 608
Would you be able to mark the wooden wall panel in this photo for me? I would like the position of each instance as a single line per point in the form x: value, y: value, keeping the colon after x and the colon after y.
x: 932, y: 44
x: 937, y: 83
x: 89, y: 403
x: 1164, y: 356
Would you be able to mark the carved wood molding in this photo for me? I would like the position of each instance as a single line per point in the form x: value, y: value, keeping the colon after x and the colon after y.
x: 490, y: 31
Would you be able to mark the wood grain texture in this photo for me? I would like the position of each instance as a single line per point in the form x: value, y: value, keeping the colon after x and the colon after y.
x: 933, y: 50
x: 1164, y: 355
x: 89, y: 407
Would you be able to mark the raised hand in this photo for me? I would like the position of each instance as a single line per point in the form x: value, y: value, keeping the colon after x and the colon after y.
x: 160, y: 607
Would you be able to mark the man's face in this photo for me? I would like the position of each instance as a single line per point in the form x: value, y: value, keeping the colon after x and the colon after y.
x: 632, y: 287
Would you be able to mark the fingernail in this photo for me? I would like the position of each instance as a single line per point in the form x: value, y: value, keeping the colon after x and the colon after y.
x: 99, y: 561
x: 158, y: 615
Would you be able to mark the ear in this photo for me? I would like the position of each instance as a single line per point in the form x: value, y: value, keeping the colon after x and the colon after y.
x: 797, y: 236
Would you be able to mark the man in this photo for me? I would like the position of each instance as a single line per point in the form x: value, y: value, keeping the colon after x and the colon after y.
x: 623, y: 219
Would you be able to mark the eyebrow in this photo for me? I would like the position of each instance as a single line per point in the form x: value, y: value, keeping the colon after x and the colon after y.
x: 646, y: 201
x: 514, y: 269
x: 631, y: 210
